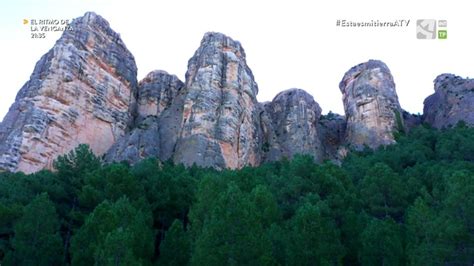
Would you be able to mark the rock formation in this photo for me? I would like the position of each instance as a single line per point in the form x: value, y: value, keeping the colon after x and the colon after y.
x: 332, y: 129
x: 452, y: 102
x: 371, y: 105
x: 81, y: 91
x: 212, y: 121
x: 219, y: 121
x: 411, y: 120
x: 156, y: 92
x: 155, y: 96
x: 293, y: 117
x: 140, y: 143
x: 84, y: 90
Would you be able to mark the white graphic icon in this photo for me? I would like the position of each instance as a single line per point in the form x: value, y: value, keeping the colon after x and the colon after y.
x: 426, y: 29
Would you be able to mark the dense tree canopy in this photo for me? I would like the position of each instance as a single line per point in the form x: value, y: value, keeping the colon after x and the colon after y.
x: 411, y: 203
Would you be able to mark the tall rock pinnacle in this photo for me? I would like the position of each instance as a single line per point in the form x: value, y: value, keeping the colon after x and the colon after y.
x: 81, y: 91
x: 212, y: 120
x: 371, y: 105
x: 219, y: 122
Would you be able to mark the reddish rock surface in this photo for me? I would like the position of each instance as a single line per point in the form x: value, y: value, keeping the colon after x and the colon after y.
x: 371, y: 105
x: 81, y: 91
x: 219, y: 121
x: 84, y: 90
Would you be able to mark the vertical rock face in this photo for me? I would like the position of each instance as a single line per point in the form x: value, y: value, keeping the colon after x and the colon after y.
x: 332, y: 129
x: 219, y: 119
x: 84, y: 90
x: 411, y: 120
x: 371, y: 105
x: 213, y: 120
x: 141, y: 142
x: 452, y: 102
x: 293, y: 115
x: 81, y: 91
x: 156, y: 91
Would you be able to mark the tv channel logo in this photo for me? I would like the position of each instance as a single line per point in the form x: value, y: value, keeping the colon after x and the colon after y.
x: 427, y: 29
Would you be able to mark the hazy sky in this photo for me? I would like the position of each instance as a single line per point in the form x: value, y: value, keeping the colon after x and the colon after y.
x: 289, y: 44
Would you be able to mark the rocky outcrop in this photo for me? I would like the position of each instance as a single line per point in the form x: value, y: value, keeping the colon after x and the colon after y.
x: 453, y: 101
x: 84, y: 90
x: 332, y: 130
x: 212, y: 121
x: 219, y: 123
x: 81, y: 91
x: 411, y: 120
x: 371, y: 105
x: 156, y: 92
x: 140, y: 143
x: 290, y: 126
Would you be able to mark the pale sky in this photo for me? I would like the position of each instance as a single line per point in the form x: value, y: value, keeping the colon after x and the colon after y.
x: 289, y: 44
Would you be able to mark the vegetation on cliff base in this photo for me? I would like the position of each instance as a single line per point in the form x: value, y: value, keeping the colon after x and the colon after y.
x: 407, y: 204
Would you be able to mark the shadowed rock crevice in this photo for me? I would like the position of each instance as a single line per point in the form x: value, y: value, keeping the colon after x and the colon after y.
x: 332, y: 131
x: 156, y: 93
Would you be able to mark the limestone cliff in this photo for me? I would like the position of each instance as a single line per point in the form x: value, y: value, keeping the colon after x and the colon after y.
x: 84, y: 90
x: 214, y: 119
x: 219, y: 120
x: 81, y: 91
x: 371, y: 105
x: 291, y: 129
x: 156, y: 92
x: 452, y: 102
x: 211, y: 121
x: 332, y: 131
